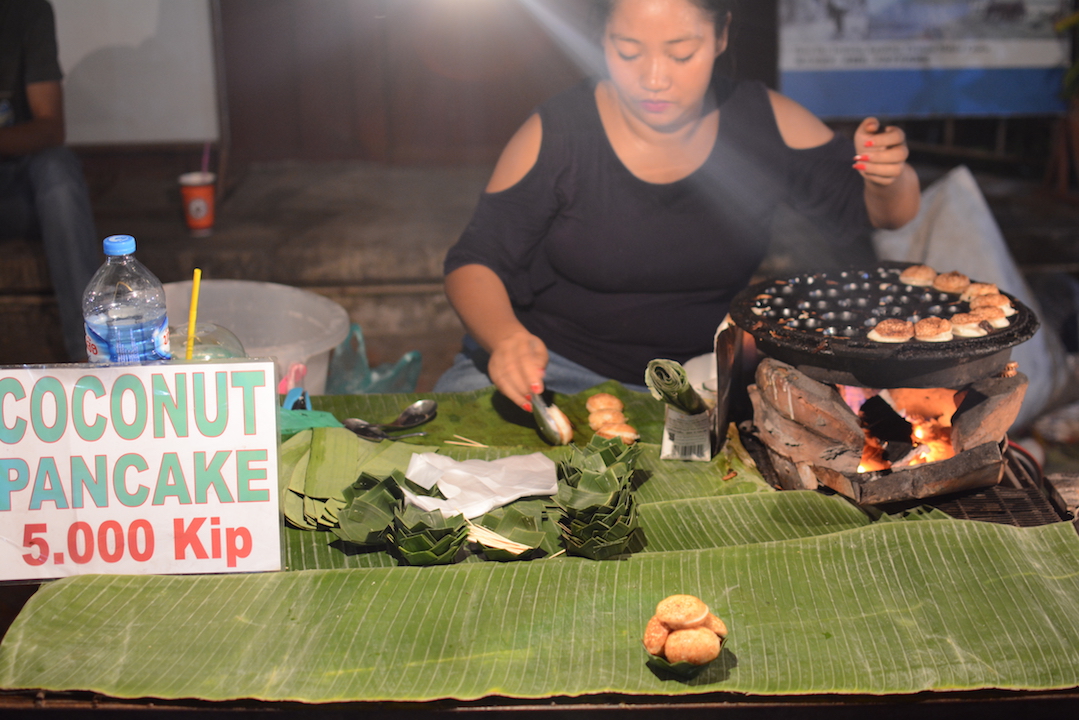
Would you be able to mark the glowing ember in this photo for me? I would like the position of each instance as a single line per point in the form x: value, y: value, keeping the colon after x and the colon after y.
x: 929, y: 412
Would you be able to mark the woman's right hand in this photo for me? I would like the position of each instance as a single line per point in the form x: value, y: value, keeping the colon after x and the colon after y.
x: 517, y: 366
x: 518, y: 358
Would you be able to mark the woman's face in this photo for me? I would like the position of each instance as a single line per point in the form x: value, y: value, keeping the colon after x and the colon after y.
x: 659, y: 57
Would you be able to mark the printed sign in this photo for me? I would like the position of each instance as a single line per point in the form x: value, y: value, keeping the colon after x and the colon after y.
x: 126, y: 469
x: 922, y: 58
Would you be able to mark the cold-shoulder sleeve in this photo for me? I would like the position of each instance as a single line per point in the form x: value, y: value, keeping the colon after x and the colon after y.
x: 506, y: 232
x: 508, y: 228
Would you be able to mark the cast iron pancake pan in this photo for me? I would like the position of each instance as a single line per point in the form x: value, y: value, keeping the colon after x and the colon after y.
x: 819, y: 324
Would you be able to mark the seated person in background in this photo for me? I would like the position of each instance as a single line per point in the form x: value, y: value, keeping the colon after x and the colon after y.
x: 42, y: 189
x: 623, y: 217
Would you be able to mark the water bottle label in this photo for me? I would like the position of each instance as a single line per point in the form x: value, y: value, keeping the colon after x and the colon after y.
x: 128, y: 342
x: 161, y: 339
x: 97, y: 347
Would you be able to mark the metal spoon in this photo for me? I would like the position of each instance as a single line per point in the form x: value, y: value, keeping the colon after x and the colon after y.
x: 374, y: 432
x: 415, y: 414
x: 553, y: 424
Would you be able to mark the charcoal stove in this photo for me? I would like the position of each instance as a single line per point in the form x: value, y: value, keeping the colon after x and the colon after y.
x: 813, y: 331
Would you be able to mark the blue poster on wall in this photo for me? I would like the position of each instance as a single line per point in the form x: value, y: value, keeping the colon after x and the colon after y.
x: 848, y: 59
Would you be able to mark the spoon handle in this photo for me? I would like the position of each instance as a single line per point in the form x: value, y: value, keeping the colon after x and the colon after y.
x: 372, y: 432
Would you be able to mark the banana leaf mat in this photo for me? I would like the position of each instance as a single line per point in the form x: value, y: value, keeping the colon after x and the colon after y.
x: 819, y: 597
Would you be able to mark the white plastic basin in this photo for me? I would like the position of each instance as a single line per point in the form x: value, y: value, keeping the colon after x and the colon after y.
x: 271, y: 320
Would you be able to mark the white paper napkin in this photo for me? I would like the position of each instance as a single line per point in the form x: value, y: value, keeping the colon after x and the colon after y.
x: 474, y: 487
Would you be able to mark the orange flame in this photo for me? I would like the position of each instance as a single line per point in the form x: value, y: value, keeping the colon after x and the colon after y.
x: 929, y: 411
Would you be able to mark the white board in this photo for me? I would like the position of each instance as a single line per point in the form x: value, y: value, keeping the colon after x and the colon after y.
x: 137, y: 71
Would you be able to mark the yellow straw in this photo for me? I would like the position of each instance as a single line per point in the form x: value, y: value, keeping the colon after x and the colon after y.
x: 193, y: 313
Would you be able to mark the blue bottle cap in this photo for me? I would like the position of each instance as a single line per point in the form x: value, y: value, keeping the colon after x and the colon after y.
x: 119, y: 245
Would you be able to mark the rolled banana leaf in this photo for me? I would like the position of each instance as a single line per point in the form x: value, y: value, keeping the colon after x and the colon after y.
x: 667, y: 381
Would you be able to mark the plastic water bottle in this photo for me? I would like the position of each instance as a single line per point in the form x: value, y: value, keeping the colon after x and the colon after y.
x: 124, y: 308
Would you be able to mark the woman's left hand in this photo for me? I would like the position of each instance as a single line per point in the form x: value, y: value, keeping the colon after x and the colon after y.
x: 882, y: 154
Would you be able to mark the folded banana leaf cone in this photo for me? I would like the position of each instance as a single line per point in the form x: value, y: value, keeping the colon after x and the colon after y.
x: 604, y: 467
x: 595, y: 492
x: 601, y: 453
x: 610, y: 526
x: 581, y: 503
x: 603, y: 478
x: 316, y: 466
x: 426, y: 538
x: 681, y: 670
x: 599, y: 548
x: 668, y: 383
x: 600, y: 532
x: 422, y: 544
x: 598, y: 517
x: 526, y: 523
x: 372, y: 503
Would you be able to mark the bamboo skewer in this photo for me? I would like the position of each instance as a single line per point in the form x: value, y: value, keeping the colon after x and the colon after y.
x: 465, y: 442
x: 489, y: 538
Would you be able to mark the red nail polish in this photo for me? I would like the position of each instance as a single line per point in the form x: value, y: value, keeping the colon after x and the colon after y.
x: 869, y: 143
x: 859, y: 166
x: 527, y: 407
x: 535, y: 388
x: 861, y: 158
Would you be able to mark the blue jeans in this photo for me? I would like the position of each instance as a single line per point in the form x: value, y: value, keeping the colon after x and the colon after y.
x: 44, y: 195
x: 469, y: 372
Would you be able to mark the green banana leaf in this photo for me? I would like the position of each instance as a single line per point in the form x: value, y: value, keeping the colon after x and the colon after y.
x: 487, y: 417
x: 897, y: 607
x: 657, y: 481
x: 819, y: 596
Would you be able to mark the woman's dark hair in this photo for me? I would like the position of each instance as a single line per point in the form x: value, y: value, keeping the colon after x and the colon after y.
x: 718, y: 10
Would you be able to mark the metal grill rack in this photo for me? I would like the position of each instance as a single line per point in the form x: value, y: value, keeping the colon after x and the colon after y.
x: 1024, y: 498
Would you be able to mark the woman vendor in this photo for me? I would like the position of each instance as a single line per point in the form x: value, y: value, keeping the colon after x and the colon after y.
x: 623, y: 216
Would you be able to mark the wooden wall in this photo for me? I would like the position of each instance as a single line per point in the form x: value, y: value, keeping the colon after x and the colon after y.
x: 405, y: 81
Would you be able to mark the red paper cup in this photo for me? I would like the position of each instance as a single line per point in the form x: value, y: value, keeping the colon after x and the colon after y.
x: 197, y: 192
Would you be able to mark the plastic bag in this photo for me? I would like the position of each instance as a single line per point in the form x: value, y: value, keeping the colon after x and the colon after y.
x: 351, y: 374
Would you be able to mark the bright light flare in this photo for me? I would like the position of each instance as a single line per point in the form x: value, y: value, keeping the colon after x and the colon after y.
x: 567, y: 32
